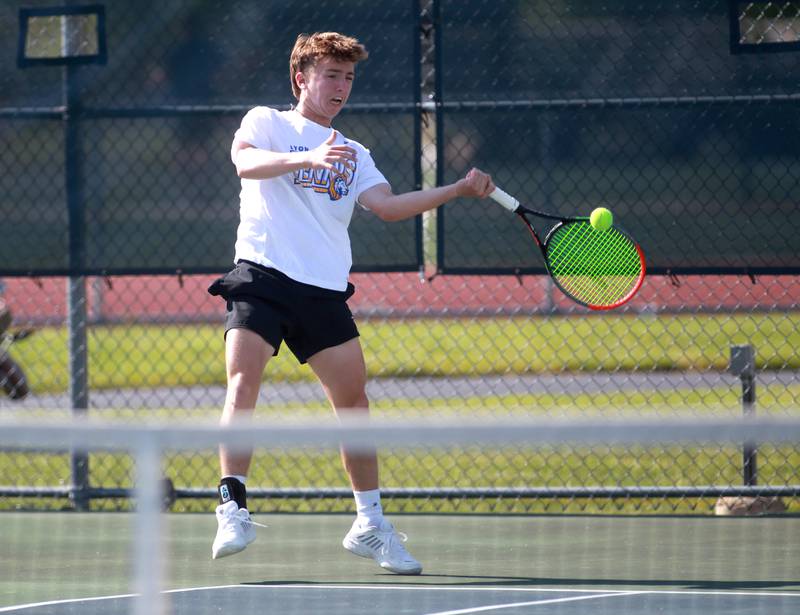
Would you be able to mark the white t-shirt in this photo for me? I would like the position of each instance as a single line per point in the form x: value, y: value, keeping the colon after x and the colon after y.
x: 297, y: 222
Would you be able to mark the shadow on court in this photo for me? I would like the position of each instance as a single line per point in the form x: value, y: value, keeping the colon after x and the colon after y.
x: 489, y: 581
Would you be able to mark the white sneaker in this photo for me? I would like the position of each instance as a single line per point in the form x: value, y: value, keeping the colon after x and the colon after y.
x: 234, y: 531
x: 384, y: 545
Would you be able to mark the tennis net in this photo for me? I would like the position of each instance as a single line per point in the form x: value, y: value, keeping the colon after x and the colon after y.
x: 144, y: 561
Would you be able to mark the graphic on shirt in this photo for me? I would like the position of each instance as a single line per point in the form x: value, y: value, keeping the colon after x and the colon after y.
x: 335, y: 184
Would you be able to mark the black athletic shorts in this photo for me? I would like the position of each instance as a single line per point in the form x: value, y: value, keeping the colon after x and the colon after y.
x: 267, y: 302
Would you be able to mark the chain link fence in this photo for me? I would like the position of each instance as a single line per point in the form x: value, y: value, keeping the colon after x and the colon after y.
x: 119, y: 206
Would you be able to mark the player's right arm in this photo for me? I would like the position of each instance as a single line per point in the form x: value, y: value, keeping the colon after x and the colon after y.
x: 254, y: 163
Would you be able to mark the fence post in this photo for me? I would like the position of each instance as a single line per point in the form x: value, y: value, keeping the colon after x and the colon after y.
x: 78, y: 385
x: 76, y: 284
x: 743, y: 364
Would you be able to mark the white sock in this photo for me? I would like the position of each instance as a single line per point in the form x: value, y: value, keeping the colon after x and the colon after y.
x: 368, y: 507
x: 239, y: 477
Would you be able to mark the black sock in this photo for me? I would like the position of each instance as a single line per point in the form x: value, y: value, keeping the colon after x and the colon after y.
x: 231, y: 489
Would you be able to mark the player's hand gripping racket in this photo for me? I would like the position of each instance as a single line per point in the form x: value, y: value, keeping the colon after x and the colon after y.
x: 601, y: 269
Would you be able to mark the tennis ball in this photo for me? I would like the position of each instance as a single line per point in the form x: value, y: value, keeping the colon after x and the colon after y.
x: 601, y: 219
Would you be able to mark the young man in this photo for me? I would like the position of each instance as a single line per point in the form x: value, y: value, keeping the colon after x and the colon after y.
x: 300, y: 182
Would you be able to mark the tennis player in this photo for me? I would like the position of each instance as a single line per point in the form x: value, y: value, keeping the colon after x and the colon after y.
x: 300, y: 182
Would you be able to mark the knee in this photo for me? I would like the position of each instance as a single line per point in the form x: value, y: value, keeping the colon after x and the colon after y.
x: 243, y: 386
x: 354, y: 398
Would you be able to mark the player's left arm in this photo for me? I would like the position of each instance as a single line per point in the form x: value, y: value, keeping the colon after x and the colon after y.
x: 393, y: 207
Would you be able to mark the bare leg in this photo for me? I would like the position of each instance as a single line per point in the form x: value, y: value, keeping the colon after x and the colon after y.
x: 246, y: 355
x: 343, y: 375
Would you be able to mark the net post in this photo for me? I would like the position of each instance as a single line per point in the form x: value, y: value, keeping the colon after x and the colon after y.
x: 149, y: 552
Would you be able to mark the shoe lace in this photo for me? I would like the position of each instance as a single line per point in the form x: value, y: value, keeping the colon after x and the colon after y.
x: 240, y: 516
x: 394, y: 541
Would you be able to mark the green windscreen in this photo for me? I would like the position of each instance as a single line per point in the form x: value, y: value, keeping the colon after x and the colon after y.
x: 597, y: 268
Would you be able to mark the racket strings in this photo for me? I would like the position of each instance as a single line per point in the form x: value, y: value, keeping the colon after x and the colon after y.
x: 600, y: 266
x: 600, y: 254
x: 596, y: 268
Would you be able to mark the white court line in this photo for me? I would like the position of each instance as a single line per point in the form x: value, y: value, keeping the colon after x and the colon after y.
x: 609, y: 592
x: 513, y: 605
x: 32, y: 605
x: 722, y: 592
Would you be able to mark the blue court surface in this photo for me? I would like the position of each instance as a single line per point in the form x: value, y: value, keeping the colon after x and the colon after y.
x: 431, y: 600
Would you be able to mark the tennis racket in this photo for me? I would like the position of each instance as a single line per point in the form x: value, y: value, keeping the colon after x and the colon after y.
x: 601, y: 270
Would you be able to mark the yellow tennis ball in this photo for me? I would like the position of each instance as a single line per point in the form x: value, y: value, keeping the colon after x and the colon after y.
x: 601, y: 219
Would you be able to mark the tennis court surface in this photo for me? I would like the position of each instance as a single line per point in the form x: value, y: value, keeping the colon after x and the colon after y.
x: 78, y: 563
x: 144, y: 561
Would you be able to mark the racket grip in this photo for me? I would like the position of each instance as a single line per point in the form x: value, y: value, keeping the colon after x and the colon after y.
x: 505, y: 199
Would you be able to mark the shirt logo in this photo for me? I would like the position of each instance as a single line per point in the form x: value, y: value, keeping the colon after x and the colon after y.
x: 336, y: 184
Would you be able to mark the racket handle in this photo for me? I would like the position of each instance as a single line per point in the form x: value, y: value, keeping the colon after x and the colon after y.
x: 505, y: 199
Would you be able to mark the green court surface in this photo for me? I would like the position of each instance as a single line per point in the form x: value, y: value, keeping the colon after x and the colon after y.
x: 81, y: 563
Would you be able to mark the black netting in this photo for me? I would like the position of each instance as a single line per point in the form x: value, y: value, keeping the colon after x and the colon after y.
x: 640, y: 108
x: 138, y: 170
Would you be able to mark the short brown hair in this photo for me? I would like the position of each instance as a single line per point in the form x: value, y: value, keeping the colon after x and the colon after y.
x: 311, y: 48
